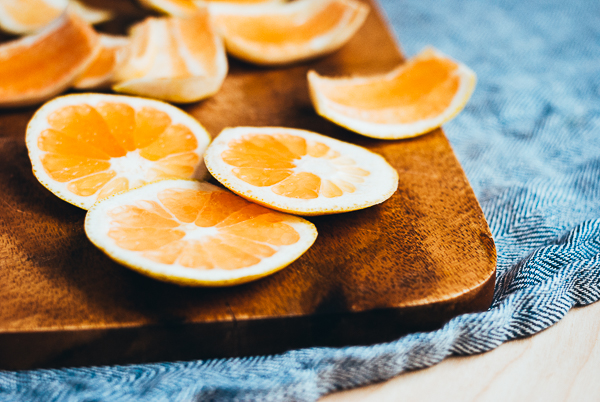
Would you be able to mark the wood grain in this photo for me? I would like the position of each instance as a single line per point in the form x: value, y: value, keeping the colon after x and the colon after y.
x: 561, y: 363
x: 408, y: 264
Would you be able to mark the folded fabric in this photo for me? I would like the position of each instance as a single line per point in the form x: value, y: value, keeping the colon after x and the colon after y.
x: 529, y: 141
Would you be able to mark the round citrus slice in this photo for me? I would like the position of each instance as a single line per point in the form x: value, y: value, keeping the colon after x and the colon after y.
x: 37, y: 67
x: 299, y: 171
x: 86, y: 147
x: 420, y: 95
x: 99, y: 73
x: 174, y: 59
x: 274, y: 33
x: 196, y: 234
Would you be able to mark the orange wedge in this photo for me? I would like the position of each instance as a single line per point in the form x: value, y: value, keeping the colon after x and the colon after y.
x: 196, y: 234
x: 176, y: 8
x: 87, y: 147
x: 35, y: 68
x: 174, y: 59
x: 418, y: 96
x: 299, y: 171
x: 274, y: 34
x: 99, y: 73
x: 24, y: 16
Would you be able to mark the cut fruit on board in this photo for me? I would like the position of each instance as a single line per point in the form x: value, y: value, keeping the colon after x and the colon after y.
x: 99, y: 74
x: 87, y: 147
x: 418, y: 96
x: 196, y: 234
x: 174, y: 59
x: 273, y: 34
x: 298, y: 171
x: 37, y: 67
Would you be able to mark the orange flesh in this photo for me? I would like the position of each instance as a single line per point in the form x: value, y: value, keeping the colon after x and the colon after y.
x: 264, y: 160
x: 421, y: 91
x: 286, y: 29
x: 83, y: 139
x: 26, y: 69
x: 32, y: 13
x: 244, y: 233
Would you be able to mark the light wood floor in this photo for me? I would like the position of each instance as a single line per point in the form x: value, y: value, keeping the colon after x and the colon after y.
x: 561, y: 363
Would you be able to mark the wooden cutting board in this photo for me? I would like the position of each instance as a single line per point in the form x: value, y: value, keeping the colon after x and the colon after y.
x: 412, y: 263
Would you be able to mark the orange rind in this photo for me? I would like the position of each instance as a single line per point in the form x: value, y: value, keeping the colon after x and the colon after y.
x: 196, y: 234
x: 100, y: 72
x: 298, y: 171
x: 274, y: 34
x: 417, y: 97
x: 38, y: 67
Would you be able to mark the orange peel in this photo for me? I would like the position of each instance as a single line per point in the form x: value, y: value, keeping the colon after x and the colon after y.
x: 417, y: 97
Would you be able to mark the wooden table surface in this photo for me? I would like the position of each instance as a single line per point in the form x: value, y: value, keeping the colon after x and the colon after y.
x: 561, y: 363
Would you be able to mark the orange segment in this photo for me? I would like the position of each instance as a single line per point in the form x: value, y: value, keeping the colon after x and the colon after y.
x: 194, y: 233
x: 184, y: 204
x: 300, y: 185
x: 86, y: 125
x: 90, y: 146
x: 285, y: 33
x: 416, y: 97
x: 299, y: 171
x: 142, y: 239
x: 220, y: 207
x: 90, y: 185
x: 27, y: 75
x: 175, y: 59
x: 175, y: 139
x: 66, y: 168
x: 99, y: 74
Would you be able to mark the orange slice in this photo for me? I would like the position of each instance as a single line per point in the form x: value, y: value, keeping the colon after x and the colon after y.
x: 87, y: 147
x: 299, y: 171
x: 99, y: 73
x: 196, y: 234
x: 283, y: 33
x: 174, y: 59
x: 418, y: 96
x: 35, y: 68
x: 24, y: 16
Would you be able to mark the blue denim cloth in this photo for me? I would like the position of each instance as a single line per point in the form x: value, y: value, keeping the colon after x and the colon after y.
x: 529, y: 141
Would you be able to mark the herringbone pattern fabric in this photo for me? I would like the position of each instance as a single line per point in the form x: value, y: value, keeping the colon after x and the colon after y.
x: 529, y: 141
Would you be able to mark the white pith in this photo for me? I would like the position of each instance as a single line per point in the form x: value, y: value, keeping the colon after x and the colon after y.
x: 132, y: 166
x: 140, y: 166
x: 98, y: 223
x: 373, y: 189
